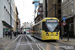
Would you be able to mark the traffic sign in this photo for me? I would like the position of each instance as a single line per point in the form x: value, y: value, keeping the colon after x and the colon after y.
x: 64, y: 18
x: 64, y: 23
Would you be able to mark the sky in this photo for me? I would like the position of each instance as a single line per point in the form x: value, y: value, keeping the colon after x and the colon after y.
x: 25, y: 10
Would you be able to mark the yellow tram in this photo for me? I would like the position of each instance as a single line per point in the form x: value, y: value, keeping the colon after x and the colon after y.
x: 47, y: 29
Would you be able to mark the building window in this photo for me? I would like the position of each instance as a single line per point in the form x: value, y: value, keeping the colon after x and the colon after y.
x: 40, y: 8
x: 59, y: 11
x: 71, y: 8
x: 63, y: 12
x: 68, y: 10
x: 63, y: 1
x: 59, y: 1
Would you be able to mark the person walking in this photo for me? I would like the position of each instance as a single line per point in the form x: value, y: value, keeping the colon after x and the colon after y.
x: 24, y: 32
x: 10, y: 34
x: 6, y: 33
x: 15, y: 33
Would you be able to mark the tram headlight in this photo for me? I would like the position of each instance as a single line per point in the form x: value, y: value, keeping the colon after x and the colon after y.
x: 56, y: 34
x: 47, y: 34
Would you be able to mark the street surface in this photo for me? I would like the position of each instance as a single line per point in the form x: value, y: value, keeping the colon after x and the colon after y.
x: 27, y: 42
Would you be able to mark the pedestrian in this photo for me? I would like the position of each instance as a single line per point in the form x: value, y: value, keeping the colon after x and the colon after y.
x: 10, y: 34
x: 14, y: 34
x: 21, y: 32
x: 6, y: 33
x: 24, y: 32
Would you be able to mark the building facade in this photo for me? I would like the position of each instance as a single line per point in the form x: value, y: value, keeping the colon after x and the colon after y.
x: 54, y: 8
x: 68, y: 11
x: 15, y: 27
x: 44, y: 8
x: 17, y: 23
x: 26, y: 27
x: 39, y: 13
x: 6, y: 16
x: 35, y: 2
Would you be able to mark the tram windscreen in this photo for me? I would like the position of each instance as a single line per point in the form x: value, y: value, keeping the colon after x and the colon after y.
x: 52, y: 25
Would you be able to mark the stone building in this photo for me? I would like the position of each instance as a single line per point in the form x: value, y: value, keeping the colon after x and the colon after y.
x: 39, y: 13
x: 54, y: 8
x: 6, y: 16
x: 68, y: 11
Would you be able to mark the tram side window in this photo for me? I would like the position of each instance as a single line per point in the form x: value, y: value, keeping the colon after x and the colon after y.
x: 44, y: 27
x: 33, y: 28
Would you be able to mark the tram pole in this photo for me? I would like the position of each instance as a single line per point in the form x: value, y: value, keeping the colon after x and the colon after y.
x: 68, y: 36
x: 61, y: 36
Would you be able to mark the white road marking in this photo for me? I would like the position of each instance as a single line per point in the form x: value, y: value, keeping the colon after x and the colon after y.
x: 31, y: 38
x: 13, y: 40
x: 16, y: 38
x: 26, y: 44
x: 17, y: 45
x: 38, y: 46
x: 29, y: 43
x: 23, y: 44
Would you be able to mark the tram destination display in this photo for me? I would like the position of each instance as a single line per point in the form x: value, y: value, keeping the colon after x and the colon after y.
x: 51, y: 21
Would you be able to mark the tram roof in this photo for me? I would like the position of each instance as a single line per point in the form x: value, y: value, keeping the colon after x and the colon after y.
x: 49, y: 18
x: 46, y: 19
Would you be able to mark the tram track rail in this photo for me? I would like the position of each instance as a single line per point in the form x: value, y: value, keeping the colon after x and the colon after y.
x: 26, y: 41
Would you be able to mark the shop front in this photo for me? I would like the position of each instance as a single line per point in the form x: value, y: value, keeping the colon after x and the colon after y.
x: 6, y: 27
x: 69, y: 27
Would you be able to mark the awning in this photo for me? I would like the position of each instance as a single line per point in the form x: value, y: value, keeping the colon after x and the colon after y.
x: 6, y: 24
